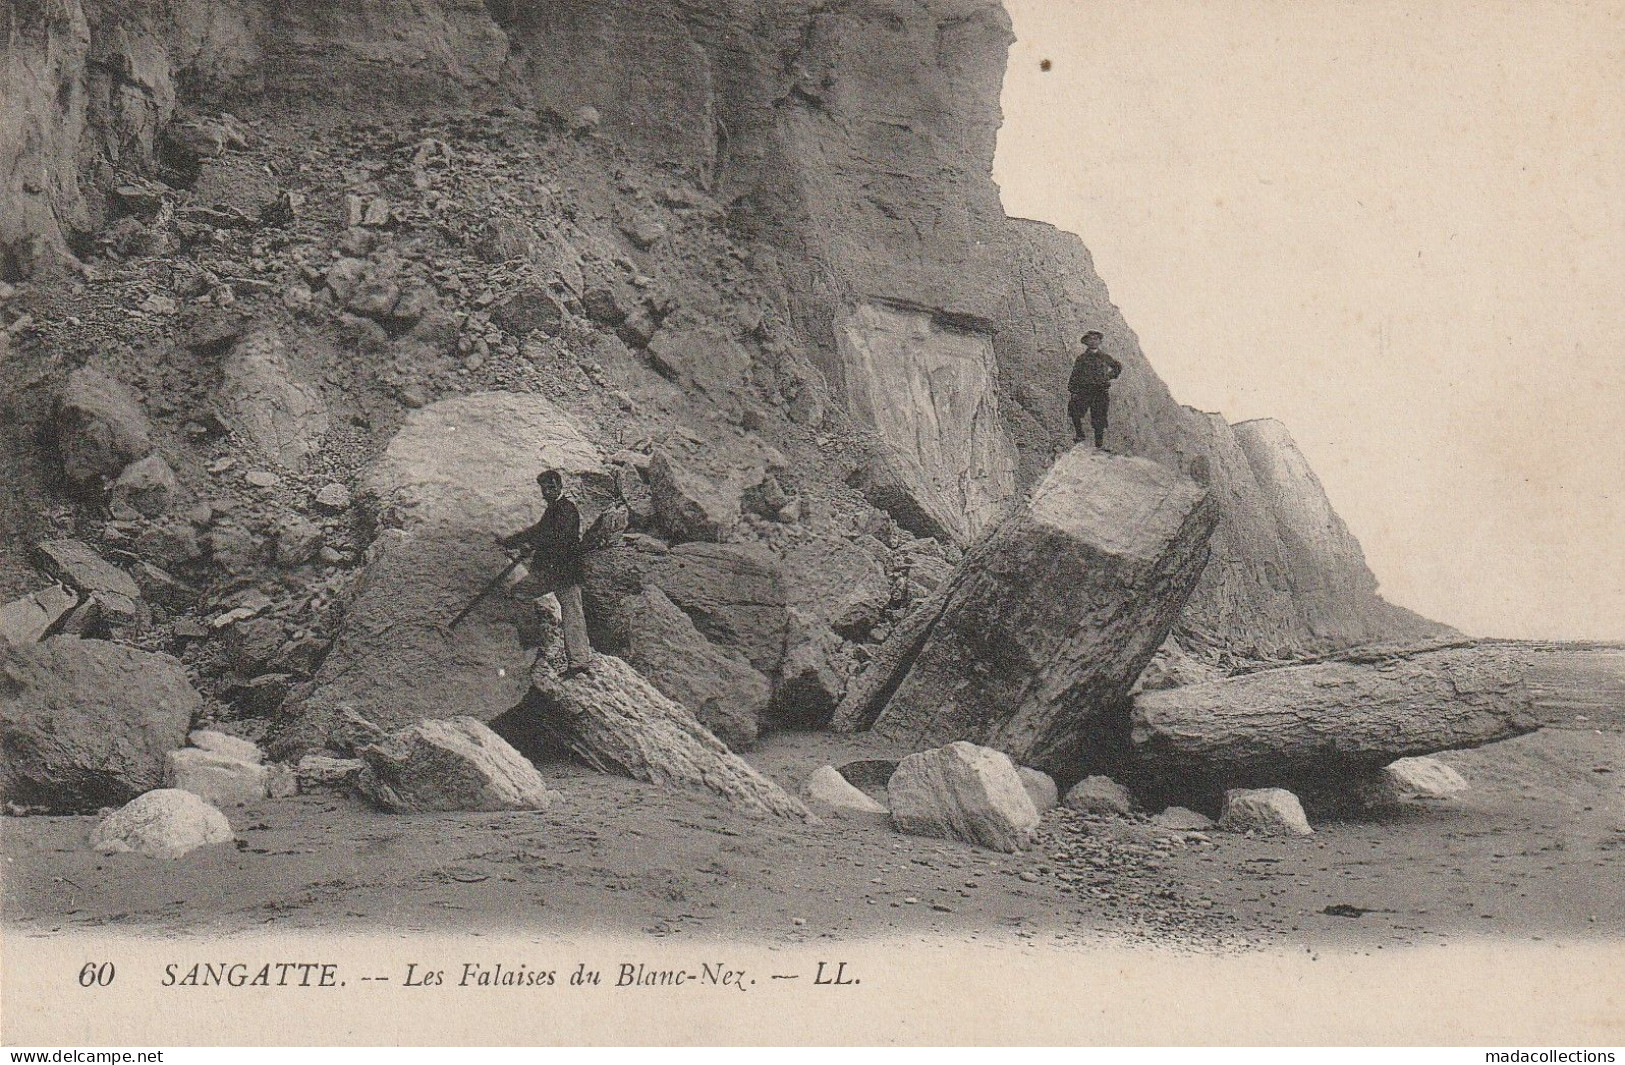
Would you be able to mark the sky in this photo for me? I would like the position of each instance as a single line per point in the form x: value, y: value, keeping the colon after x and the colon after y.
x: 1399, y: 228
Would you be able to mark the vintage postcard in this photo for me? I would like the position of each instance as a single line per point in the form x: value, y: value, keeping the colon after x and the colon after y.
x: 654, y: 522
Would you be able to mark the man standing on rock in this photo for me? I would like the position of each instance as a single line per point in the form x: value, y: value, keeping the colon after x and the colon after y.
x: 553, y: 547
x: 1090, y: 386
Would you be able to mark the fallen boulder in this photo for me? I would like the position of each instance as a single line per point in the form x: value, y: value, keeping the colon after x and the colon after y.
x: 166, y: 823
x: 617, y: 722
x: 100, y: 427
x: 1035, y: 644
x: 829, y: 793
x: 147, y: 486
x: 690, y: 505
x: 226, y: 746
x: 1040, y: 787
x: 458, y: 473
x: 836, y: 582
x: 1102, y: 796
x: 448, y: 765
x: 734, y: 592
x: 718, y: 687
x: 1422, y: 778
x: 105, y: 588
x: 218, y: 779
x: 1321, y: 727
x: 31, y: 618
x: 87, y: 723
x: 471, y: 462
x: 1266, y: 811
x: 1180, y: 819
x: 317, y: 772
x: 962, y: 792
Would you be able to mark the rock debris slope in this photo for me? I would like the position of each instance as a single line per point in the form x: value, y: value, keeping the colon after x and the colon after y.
x: 857, y: 176
x: 297, y: 297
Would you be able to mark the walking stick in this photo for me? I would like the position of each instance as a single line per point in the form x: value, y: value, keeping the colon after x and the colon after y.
x: 494, y: 584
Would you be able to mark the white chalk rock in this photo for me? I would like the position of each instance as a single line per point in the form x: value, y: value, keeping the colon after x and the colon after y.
x: 452, y: 764
x: 1423, y: 778
x: 964, y: 792
x: 166, y: 823
x: 216, y: 778
x: 1041, y: 788
x: 1267, y: 811
x: 1103, y: 796
x: 225, y: 745
x: 830, y: 794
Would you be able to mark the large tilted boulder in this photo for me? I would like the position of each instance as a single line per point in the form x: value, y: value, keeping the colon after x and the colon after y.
x: 166, y: 823
x: 87, y: 723
x: 719, y: 687
x: 963, y: 792
x: 1035, y: 644
x: 396, y: 661
x: 1330, y: 725
x: 448, y: 765
x: 617, y: 722
x: 458, y: 473
x: 100, y: 427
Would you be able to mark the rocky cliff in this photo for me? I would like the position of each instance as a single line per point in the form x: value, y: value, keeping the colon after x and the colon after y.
x: 740, y: 221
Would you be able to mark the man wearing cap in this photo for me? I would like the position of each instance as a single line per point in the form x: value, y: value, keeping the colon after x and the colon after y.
x: 1090, y: 388
x: 553, y: 547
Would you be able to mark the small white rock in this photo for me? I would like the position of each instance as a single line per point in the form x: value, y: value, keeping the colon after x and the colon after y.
x: 166, y: 823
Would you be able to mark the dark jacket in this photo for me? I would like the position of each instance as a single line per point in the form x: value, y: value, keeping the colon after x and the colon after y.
x: 553, y: 545
x: 1094, y: 369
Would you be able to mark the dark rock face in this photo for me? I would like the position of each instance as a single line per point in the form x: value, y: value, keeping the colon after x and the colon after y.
x: 1050, y: 619
x: 736, y: 595
x: 859, y: 174
x: 87, y: 723
x: 718, y: 687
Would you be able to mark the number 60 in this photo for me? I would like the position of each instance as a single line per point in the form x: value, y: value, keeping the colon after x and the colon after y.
x: 96, y: 975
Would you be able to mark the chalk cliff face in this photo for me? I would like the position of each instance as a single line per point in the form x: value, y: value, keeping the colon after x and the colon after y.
x: 848, y: 146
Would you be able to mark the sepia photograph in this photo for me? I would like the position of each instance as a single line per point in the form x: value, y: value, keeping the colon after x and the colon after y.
x: 812, y: 522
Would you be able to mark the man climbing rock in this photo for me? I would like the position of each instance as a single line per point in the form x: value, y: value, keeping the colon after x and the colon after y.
x: 553, y: 550
x: 1090, y: 388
